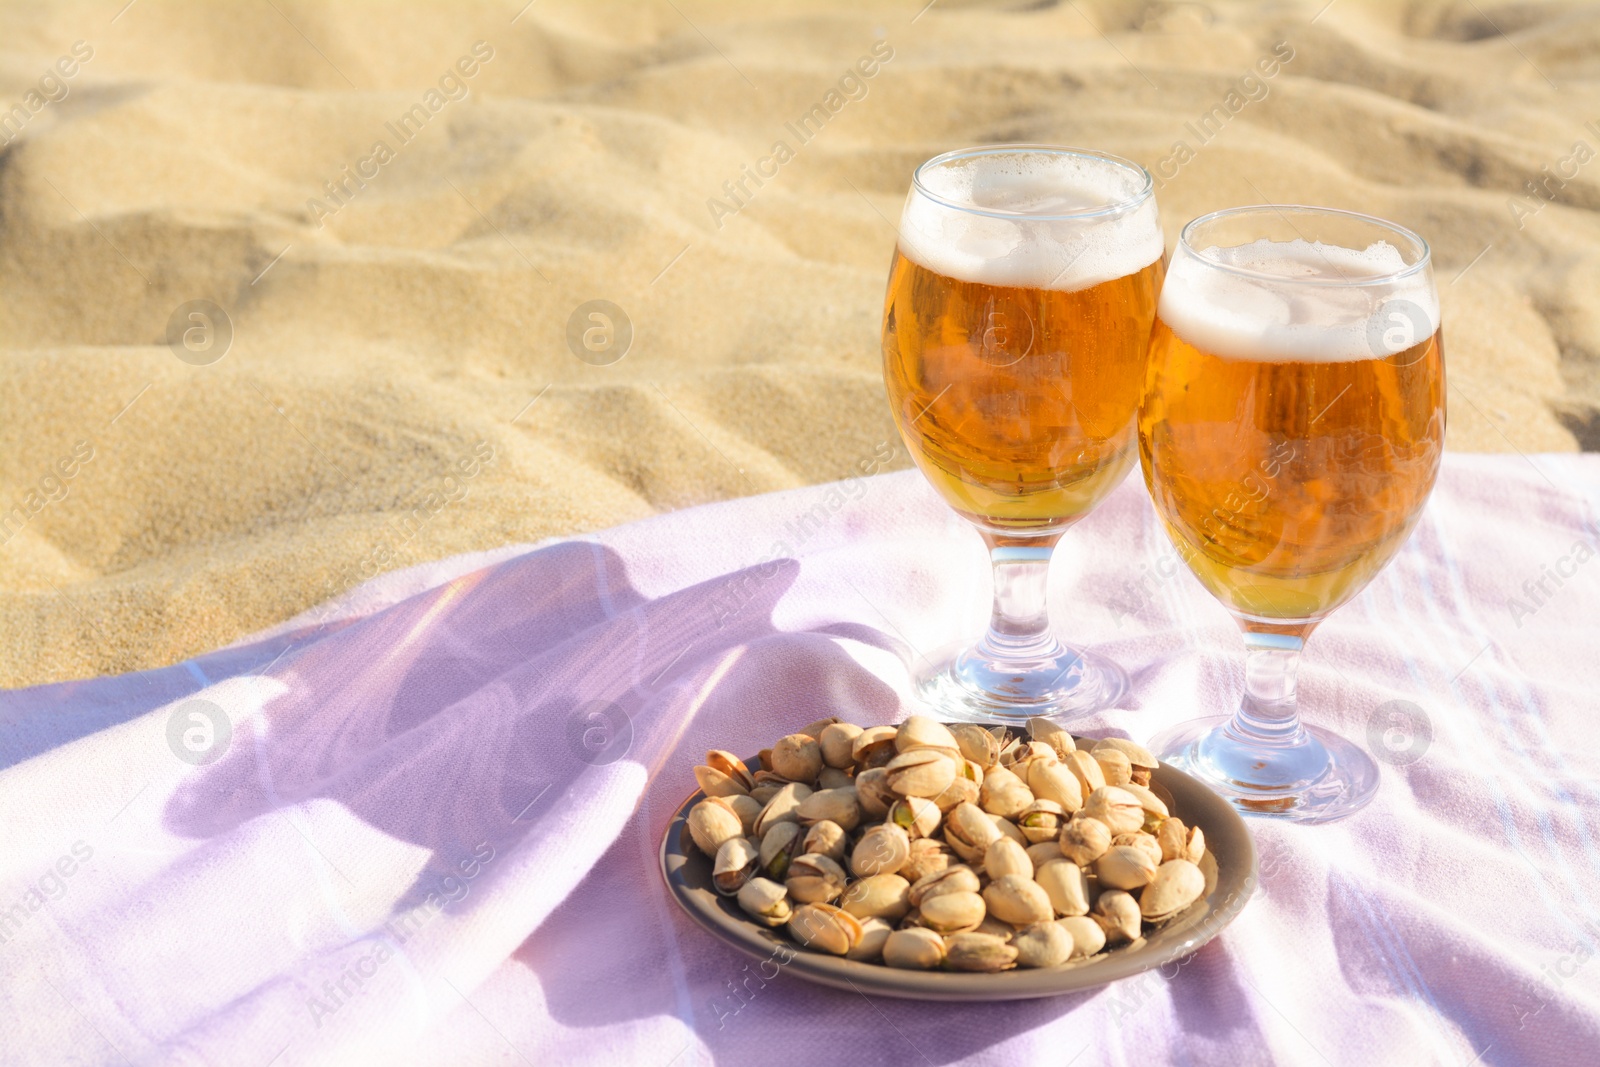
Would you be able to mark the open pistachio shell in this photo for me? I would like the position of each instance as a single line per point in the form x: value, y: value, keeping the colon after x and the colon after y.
x: 1119, y: 809
x: 766, y: 901
x: 958, y: 879
x: 814, y: 879
x: 882, y: 849
x: 978, y: 952
x: 711, y: 822
x: 1176, y: 885
x: 825, y: 928
x: 977, y: 744
x: 734, y: 866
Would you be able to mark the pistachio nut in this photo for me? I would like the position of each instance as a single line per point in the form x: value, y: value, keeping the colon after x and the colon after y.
x: 814, y: 879
x: 1042, y: 944
x: 779, y: 846
x: 873, y: 747
x: 1067, y: 886
x: 1017, y: 900
x: 874, y: 934
x: 764, y: 792
x: 950, y: 913
x: 1125, y: 867
x: 764, y: 775
x: 917, y: 816
x: 833, y: 778
x: 978, y: 952
x: 1176, y: 885
x: 1005, y: 857
x: 961, y: 790
x: 977, y: 744
x: 919, y: 731
x: 873, y: 793
x: 1140, y: 758
x: 882, y: 849
x: 832, y: 805
x: 766, y: 901
x: 928, y: 856
x: 734, y: 866
x: 1197, y: 845
x: 1114, y: 766
x: 969, y: 831
x: 797, y: 757
x: 1044, y: 852
x: 1021, y: 757
x: 922, y: 772
x: 881, y: 896
x: 1055, y: 781
x: 958, y: 879
x: 1142, y: 841
x: 1053, y: 734
x: 713, y: 821
x: 745, y: 808
x: 837, y: 741
x: 1118, y: 915
x: 783, y: 807
x: 825, y: 928
x: 814, y: 730
x: 1042, y: 821
x: 1009, y: 829
x: 1154, y: 807
x: 723, y: 774
x: 1084, y: 840
x: 1119, y: 809
x: 995, y: 928
x: 1085, y: 770
x: 1088, y: 936
x: 1003, y: 793
x: 915, y: 949
x: 826, y: 838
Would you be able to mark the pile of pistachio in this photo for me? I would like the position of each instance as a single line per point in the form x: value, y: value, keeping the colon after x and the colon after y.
x: 926, y: 845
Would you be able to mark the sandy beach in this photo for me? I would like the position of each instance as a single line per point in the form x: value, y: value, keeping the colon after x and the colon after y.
x: 296, y: 294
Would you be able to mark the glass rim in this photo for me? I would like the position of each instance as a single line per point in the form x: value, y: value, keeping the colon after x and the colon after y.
x: 1424, y: 261
x: 1120, y: 207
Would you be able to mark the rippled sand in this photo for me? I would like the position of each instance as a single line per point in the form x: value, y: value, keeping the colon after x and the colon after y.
x: 399, y: 383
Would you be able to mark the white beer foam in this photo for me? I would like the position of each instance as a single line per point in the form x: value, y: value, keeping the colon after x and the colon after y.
x: 1265, y: 320
x: 1013, y: 249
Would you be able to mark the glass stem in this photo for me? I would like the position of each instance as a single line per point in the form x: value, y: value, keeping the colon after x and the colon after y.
x: 1268, y: 715
x: 1019, y: 622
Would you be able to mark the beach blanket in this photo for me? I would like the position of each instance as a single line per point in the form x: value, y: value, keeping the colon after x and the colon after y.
x: 420, y: 824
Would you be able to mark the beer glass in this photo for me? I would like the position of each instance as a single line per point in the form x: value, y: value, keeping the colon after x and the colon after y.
x: 1290, y: 433
x: 1015, y: 329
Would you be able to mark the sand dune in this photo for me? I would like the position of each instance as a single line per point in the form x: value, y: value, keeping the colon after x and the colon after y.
x: 401, y: 317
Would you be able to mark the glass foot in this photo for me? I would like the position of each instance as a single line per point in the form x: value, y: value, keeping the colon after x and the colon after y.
x: 970, y: 686
x: 1319, y: 777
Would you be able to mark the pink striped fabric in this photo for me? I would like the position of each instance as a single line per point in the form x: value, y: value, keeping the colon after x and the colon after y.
x: 420, y: 824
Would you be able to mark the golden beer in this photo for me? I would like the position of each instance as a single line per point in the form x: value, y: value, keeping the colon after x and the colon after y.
x: 1288, y: 483
x: 1015, y: 326
x: 1290, y: 431
x: 1017, y: 403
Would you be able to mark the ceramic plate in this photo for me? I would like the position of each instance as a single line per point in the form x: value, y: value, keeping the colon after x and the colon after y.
x: 1229, y: 866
